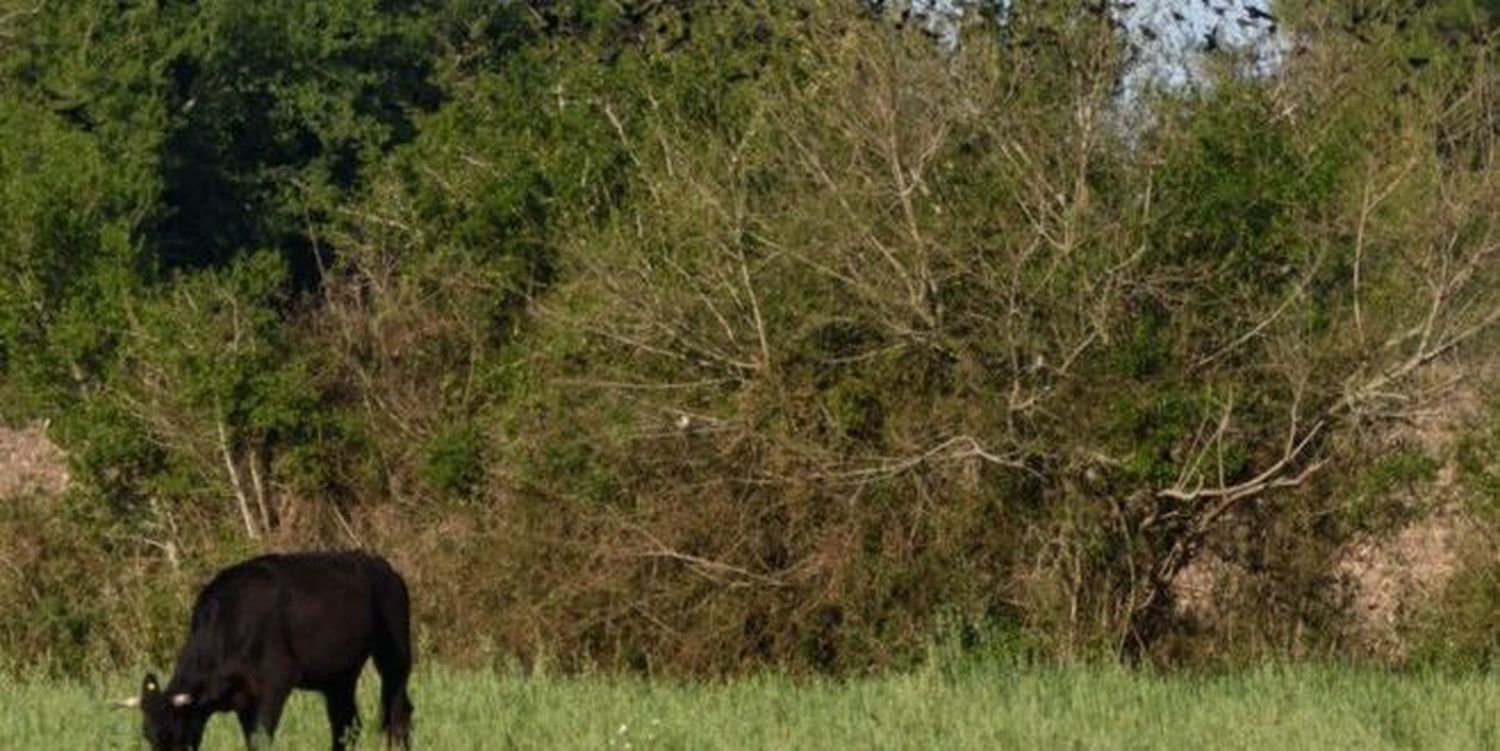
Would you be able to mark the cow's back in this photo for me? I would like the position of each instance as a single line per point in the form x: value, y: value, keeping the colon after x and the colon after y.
x: 312, y: 616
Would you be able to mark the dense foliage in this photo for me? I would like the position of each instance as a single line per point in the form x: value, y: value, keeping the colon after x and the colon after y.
x: 696, y: 337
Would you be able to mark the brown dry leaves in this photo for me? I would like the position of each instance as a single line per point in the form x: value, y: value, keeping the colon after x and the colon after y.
x: 30, y: 464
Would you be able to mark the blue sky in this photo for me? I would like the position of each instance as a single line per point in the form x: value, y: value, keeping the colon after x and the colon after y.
x: 1169, y: 39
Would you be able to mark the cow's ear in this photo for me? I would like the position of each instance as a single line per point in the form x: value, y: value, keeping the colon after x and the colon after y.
x: 149, y: 686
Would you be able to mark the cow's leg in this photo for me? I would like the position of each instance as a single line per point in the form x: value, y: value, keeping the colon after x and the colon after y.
x: 267, y: 715
x: 246, y: 716
x: 343, y: 712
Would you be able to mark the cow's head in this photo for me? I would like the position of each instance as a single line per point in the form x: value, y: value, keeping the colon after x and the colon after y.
x: 171, y: 722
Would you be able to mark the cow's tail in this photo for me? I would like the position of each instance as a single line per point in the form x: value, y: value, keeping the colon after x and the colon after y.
x: 393, y: 655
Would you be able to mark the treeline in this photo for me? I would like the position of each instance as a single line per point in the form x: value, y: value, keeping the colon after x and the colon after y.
x: 700, y: 337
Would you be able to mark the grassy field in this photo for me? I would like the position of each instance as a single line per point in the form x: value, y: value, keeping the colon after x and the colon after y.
x: 990, y: 708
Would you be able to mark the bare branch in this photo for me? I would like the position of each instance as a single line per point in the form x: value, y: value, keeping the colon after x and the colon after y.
x: 236, y: 484
x: 1272, y: 477
x: 953, y: 449
x: 260, y: 493
x: 715, y: 571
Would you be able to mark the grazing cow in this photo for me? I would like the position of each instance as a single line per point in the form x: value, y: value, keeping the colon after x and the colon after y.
x: 271, y: 624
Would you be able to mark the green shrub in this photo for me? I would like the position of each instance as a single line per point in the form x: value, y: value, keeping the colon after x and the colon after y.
x: 455, y: 463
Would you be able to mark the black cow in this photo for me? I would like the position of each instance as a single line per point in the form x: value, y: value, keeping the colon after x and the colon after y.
x: 271, y: 624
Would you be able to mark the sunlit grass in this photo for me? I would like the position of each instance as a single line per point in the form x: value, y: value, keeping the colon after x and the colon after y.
x: 982, y: 708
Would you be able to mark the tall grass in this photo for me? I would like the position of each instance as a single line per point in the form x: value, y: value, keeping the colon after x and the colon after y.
x: 991, y: 707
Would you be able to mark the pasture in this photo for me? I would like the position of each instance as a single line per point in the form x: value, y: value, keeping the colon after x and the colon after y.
x: 978, y: 707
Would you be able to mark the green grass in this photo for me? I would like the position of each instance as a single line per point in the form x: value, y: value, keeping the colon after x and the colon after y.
x: 981, y: 708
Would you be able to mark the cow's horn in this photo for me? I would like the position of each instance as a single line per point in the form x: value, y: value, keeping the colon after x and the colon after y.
x: 181, y: 700
x: 133, y: 702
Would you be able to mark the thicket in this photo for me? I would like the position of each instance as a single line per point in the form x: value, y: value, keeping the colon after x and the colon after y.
x: 694, y: 337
